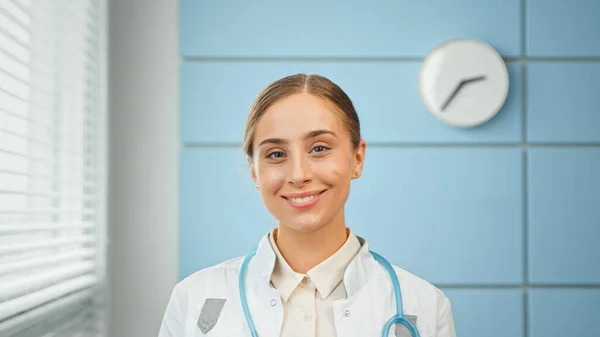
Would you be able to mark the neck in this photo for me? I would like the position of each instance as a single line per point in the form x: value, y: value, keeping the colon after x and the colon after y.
x: 305, y: 250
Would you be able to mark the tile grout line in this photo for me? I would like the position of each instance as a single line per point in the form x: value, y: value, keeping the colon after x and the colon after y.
x: 525, y: 158
x: 525, y: 222
x: 525, y: 313
x: 523, y: 32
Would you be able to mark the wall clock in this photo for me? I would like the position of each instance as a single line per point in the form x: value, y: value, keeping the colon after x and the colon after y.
x: 463, y: 82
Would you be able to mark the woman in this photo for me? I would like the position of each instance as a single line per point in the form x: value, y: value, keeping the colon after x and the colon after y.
x: 310, y: 276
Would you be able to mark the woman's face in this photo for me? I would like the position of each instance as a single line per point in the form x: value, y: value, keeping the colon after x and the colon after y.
x: 304, y: 161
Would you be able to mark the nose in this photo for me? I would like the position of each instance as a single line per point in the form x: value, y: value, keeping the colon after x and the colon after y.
x: 300, y: 171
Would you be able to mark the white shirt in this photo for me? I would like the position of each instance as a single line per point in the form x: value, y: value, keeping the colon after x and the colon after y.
x: 369, y: 301
x: 308, y: 299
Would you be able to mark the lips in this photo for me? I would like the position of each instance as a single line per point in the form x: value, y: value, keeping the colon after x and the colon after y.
x: 302, y: 200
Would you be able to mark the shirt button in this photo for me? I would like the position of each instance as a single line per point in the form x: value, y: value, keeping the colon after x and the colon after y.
x: 307, y: 317
x: 305, y: 280
x: 273, y: 302
x: 346, y: 313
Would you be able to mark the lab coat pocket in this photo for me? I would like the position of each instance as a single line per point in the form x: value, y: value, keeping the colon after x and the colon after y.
x: 401, y: 330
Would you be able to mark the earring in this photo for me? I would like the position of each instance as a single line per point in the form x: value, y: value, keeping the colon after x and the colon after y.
x: 256, y: 184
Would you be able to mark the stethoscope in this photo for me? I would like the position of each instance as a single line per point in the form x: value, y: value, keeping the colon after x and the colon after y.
x: 398, y: 318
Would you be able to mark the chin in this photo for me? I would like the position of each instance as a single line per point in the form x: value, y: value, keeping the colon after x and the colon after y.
x: 304, y: 224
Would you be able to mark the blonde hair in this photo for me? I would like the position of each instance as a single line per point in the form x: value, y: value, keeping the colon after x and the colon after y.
x: 315, y: 85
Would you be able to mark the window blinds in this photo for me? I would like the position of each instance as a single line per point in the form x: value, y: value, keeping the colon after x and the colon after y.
x: 52, y: 166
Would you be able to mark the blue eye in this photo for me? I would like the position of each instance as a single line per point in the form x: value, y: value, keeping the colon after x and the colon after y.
x: 275, y: 155
x: 319, y: 148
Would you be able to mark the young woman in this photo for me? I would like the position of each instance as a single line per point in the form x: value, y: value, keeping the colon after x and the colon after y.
x: 311, y: 275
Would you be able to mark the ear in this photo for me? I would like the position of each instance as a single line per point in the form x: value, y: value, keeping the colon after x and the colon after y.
x: 359, y: 159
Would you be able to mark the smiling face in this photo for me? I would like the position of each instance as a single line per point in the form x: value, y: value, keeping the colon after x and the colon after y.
x: 303, y: 161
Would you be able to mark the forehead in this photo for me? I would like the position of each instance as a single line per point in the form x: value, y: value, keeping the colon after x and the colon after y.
x: 297, y: 114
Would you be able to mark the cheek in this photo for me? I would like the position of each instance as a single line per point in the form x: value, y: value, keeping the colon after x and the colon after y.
x: 271, y: 179
x: 334, y: 172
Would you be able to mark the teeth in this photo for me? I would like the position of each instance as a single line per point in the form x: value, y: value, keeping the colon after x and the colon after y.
x: 303, y: 200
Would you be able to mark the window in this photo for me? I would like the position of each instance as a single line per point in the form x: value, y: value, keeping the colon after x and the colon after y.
x: 52, y: 167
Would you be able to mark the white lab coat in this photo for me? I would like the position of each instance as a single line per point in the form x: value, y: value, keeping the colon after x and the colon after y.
x: 369, y: 303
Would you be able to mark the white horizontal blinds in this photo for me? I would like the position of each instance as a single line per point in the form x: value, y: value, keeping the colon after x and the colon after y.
x: 51, y: 165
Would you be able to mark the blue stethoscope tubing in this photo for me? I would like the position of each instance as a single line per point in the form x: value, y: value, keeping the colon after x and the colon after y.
x: 398, y: 318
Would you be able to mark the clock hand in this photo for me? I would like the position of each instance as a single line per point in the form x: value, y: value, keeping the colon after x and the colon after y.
x: 460, y: 86
x: 456, y: 90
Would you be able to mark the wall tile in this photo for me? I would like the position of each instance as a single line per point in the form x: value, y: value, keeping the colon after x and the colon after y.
x: 450, y: 215
x: 476, y: 312
x: 354, y: 29
x: 563, y: 198
x: 562, y: 28
x: 562, y: 102
x: 385, y: 95
x: 563, y: 312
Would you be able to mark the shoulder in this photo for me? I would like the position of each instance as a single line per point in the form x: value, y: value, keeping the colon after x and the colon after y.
x: 434, y: 306
x: 216, y: 281
x: 210, y: 278
x: 189, y: 295
x: 425, y: 289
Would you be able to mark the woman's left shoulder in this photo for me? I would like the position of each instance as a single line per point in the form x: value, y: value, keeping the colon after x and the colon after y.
x: 434, y: 306
x: 416, y: 283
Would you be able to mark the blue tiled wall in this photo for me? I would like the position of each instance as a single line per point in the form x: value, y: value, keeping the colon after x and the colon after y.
x: 505, y: 218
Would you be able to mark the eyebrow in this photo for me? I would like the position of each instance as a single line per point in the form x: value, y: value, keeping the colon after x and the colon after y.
x: 311, y: 134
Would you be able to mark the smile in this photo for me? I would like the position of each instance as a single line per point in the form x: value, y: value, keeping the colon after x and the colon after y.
x: 303, y: 200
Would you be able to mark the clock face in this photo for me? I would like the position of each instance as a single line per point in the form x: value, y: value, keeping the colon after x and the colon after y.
x: 463, y: 82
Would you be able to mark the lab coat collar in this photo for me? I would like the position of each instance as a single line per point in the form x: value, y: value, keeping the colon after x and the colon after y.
x: 358, y: 272
x: 360, y: 269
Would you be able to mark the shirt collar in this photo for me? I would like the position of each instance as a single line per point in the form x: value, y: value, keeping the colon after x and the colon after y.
x: 361, y: 267
x: 329, y: 273
x: 284, y: 278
